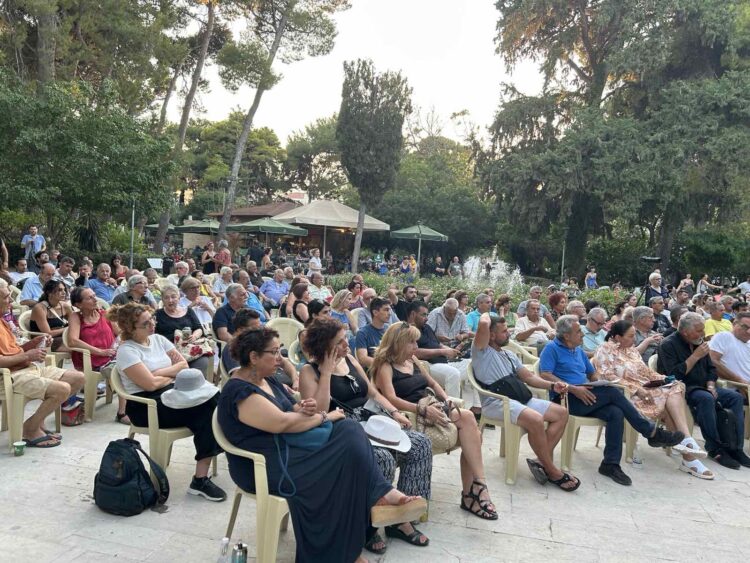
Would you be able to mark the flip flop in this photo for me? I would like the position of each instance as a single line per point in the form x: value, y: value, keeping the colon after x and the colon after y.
x: 54, y: 435
x: 566, y: 478
x: 39, y: 442
x: 413, y: 538
x: 537, y: 470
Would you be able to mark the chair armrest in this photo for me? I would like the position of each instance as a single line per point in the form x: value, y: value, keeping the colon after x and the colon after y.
x: 539, y: 393
x: 86, y: 358
x: 8, y: 388
x: 736, y: 384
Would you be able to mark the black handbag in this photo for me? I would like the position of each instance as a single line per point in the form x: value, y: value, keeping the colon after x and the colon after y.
x: 726, y: 423
x: 512, y: 387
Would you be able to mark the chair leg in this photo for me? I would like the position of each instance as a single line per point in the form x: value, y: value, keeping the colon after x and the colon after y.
x: 233, y: 515
x: 268, y: 543
x: 4, y: 419
x: 58, y: 419
x: 511, y: 455
x: 502, y: 441
x: 575, y: 440
x: 89, y: 395
x: 631, y: 439
x: 284, y: 523
x: 566, y: 451
x: 108, y: 393
x: 214, y: 467
x: 598, y: 436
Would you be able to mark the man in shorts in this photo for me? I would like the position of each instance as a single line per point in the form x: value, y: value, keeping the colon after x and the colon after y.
x: 490, y: 363
x: 51, y: 385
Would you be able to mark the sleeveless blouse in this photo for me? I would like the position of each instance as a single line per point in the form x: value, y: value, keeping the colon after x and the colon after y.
x: 350, y: 389
x: 99, y: 335
x: 409, y: 386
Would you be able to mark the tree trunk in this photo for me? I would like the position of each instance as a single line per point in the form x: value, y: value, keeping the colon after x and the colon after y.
x: 167, y: 98
x: 247, y: 125
x: 358, y: 237
x: 46, y: 42
x: 161, y: 232
x: 669, y: 227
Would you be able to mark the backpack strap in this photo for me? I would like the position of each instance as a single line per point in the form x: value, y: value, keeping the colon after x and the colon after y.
x: 158, y: 472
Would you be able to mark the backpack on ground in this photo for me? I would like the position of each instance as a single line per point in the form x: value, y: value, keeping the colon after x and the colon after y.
x: 726, y: 423
x: 123, y: 486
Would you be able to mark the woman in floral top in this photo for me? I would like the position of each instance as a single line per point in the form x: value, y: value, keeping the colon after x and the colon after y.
x: 618, y: 360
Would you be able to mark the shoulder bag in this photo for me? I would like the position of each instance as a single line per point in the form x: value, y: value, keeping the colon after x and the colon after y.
x: 443, y: 438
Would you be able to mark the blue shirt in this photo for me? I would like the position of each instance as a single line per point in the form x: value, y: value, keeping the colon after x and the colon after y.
x: 32, y: 289
x: 472, y: 319
x: 252, y: 303
x: 274, y: 290
x: 37, y: 244
x: 572, y: 366
x: 369, y: 338
x: 592, y: 340
x: 102, y: 289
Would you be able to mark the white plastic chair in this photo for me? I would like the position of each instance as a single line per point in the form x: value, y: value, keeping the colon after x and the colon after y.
x: 288, y: 330
x: 526, y: 357
x: 272, y: 512
x: 160, y: 440
x: 13, y: 407
x: 510, y: 434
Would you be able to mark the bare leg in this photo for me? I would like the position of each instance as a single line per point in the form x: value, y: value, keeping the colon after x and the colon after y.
x: 57, y: 392
x: 472, y: 466
x: 75, y: 379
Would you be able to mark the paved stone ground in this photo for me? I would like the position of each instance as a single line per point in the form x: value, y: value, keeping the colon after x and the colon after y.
x: 47, y: 512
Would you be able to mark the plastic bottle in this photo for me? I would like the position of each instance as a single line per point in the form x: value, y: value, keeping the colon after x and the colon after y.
x: 224, y: 555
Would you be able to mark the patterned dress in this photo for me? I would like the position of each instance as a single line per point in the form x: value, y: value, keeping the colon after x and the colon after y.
x: 625, y: 364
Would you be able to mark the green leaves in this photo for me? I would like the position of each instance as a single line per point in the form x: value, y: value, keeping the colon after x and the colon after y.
x: 245, y: 63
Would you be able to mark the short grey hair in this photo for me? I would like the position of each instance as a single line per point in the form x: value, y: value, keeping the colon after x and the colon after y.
x: 533, y: 302
x: 653, y: 275
x: 572, y: 305
x: 233, y: 288
x: 656, y: 299
x: 641, y: 312
x: 481, y: 298
x: 535, y: 288
x: 225, y: 270
x: 181, y: 264
x: 251, y: 263
x: 135, y: 279
x: 727, y: 299
x: 597, y: 312
x: 565, y: 324
x: 689, y: 321
x: 714, y: 306
x: 223, y: 244
x: 451, y: 304
x: 170, y: 288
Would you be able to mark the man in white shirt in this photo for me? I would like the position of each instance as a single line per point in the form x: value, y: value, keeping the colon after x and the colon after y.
x: 22, y: 271
x: 730, y: 351
x: 533, y: 329
x: 449, y: 323
x: 743, y: 288
x: 316, y: 288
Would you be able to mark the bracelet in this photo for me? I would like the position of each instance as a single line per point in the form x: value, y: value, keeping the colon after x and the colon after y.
x: 393, y: 411
x: 324, y: 415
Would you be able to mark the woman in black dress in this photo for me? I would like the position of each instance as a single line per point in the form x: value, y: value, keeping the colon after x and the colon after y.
x: 173, y: 318
x: 337, y: 488
x: 50, y: 315
x: 399, y: 378
x: 335, y: 378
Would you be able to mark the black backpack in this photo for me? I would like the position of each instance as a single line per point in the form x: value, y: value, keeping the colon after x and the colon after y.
x: 726, y: 423
x: 123, y: 485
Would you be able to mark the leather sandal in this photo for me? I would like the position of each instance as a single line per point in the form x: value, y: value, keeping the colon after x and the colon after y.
x: 375, y: 538
x: 482, y: 509
x: 413, y: 538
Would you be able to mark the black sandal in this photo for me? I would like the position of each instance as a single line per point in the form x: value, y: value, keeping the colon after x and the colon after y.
x: 413, y: 538
x: 537, y: 470
x: 375, y: 538
x: 120, y: 416
x: 484, y: 511
x: 566, y: 478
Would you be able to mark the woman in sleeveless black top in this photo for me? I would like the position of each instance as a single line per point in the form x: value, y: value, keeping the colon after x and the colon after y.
x: 399, y: 378
x: 50, y: 315
x: 337, y: 486
x: 339, y: 381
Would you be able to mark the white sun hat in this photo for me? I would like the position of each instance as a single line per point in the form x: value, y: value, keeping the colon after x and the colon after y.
x: 190, y: 390
x: 385, y: 432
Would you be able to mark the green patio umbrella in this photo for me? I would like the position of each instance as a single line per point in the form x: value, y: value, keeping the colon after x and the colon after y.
x: 204, y: 227
x: 155, y: 227
x: 268, y: 225
x: 419, y: 232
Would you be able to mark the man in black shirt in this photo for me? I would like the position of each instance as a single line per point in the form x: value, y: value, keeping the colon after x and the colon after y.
x: 684, y: 354
x: 449, y: 375
x: 409, y: 293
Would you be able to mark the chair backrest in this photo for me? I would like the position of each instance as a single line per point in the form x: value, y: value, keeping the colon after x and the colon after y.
x: 211, y: 278
x: 259, y: 460
x: 266, y: 278
x: 65, y: 337
x: 116, y: 381
x: 24, y: 321
x: 523, y: 354
x: 653, y: 361
x: 288, y: 330
x: 15, y: 293
x: 102, y: 303
x: 295, y: 353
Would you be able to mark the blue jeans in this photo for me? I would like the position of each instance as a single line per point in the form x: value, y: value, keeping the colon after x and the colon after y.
x: 703, y: 406
x: 612, y: 407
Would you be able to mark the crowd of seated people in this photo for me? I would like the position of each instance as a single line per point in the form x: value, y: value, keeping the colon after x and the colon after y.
x: 358, y: 346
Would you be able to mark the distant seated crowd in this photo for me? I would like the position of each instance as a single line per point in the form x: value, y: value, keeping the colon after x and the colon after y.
x: 375, y: 383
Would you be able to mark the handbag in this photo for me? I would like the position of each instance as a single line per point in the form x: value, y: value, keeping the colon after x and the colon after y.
x: 311, y: 440
x: 509, y: 386
x: 444, y: 438
x: 193, y: 350
x: 726, y: 424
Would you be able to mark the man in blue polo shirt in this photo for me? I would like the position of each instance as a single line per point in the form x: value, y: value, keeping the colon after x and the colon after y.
x: 564, y: 360
x: 103, y: 284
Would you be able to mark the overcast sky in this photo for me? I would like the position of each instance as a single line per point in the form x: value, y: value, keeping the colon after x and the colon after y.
x: 445, y: 48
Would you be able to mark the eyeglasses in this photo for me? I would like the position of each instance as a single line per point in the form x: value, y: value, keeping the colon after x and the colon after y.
x: 353, y: 383
x: 273, y: 352
x: 146, y: 324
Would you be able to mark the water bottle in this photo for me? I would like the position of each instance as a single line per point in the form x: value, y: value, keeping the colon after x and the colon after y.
x: 41, y: 346
x: 186, y: 333
x: 239, y: 553
x: 224, y: 551
x: 637, y: 459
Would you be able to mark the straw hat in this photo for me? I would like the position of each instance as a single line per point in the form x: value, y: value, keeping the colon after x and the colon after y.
x: 385, y: 432
x: 190, y: 390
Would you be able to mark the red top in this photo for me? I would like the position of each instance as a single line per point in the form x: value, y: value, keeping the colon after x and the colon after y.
x: 99, y: 335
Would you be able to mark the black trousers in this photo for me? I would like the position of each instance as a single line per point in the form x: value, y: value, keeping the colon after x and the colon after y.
x: 197, y: 418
